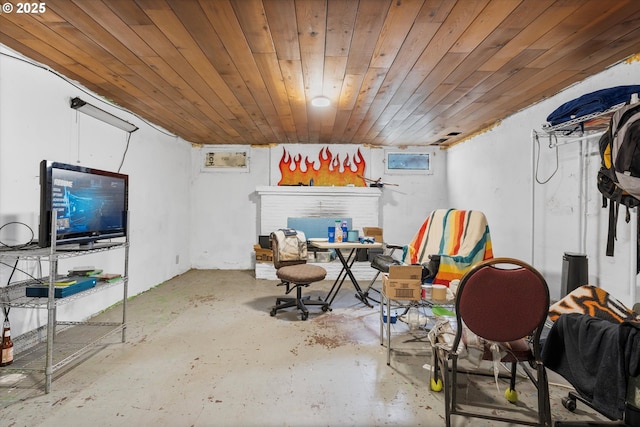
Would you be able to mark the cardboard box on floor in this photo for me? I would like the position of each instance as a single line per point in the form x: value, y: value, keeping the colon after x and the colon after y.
x: 403, y: 282
x: 263, y: 255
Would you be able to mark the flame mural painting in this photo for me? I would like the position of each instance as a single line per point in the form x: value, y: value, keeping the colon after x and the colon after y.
x: 331, y: 170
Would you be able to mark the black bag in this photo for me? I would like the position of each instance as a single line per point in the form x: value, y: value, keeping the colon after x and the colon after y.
x: 383, y: 262
x: 430, y: 268
x: 619, y: 174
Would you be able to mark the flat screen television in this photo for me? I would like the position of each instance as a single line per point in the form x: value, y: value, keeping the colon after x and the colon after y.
x: 90, y: 204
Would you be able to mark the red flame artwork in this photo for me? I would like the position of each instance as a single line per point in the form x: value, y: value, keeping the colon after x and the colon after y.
x: 331, y: 171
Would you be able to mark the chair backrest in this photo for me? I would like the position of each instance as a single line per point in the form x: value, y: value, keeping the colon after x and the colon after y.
x: 503, y: 299
x: 460, y: 237
x: 288, y: 249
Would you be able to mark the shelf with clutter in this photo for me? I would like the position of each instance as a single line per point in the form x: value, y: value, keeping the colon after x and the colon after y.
x: 588, y: 115
x: 57, y: 343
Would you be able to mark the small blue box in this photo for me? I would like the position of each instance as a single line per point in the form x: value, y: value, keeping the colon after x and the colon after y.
x: 393, y: 319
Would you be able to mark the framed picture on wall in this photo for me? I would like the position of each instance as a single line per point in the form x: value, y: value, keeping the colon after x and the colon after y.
x: 224, y: 160
x: 407, y: 162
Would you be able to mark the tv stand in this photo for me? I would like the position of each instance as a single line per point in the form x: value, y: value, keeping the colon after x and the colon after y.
x: 40, y: 356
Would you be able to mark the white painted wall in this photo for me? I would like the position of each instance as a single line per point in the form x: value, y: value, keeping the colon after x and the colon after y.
x: 494, y: 172
x: 226, y: 206
x: 37, y: 123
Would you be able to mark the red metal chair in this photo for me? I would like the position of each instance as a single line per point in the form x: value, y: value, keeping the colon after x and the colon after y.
x: 505, y: 302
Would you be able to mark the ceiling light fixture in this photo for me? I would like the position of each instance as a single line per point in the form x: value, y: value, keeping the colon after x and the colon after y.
x: 93, y: 111
x: 320, y: 101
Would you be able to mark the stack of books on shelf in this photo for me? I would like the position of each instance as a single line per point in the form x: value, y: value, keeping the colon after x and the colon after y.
x: 90, y: 271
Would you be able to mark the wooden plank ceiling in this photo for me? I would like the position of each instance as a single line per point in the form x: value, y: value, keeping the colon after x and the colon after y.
x: 397, y: 72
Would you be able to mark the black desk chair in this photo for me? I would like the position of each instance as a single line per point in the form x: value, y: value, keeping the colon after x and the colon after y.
x: 289, y: 259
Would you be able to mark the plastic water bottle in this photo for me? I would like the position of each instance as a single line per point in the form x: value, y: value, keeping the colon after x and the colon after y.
x: 345, y: 232
x: 413, y: 318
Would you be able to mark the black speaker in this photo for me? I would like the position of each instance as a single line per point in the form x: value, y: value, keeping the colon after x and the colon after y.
x: 575, y: 272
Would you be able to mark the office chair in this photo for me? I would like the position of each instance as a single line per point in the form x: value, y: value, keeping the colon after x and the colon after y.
x: 505, y: 302
x: 289, y: 258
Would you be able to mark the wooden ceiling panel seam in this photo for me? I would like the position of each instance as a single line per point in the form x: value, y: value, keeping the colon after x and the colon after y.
x: 424, y: 91
x: 557, y: 29
x: 406, y: 121
x: 340, y: 126
x: 395, y: 29
x: 181, y: 93
x: 292, y: 77
x: 444, y: 38
x: 369, y: 20
x: 349, y: 91
x: 35, y: 31
x: 482, y: 53
x: 624, y: 36
x: 222, y: 15
x: 598, y: 22
x: 281, y: 18
x: 311, y: 20
x: 130, y: 12
x: 396, y: 75
x: 370, y: 86
x: 188, y: 14
x: 341, y: 18
x: 487, y: 20
x: 528, y: 36
x: 253, y: 21
x: 204, y: 78
x: 116, y: 27
x: 185, y: 92
x: 269, y: 68
x: 334, y: 72
x: 458, y: 107
x: 448, y: 34
x: 98, y: 83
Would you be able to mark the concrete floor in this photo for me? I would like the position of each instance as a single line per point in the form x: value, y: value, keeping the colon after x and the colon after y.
x: 202, y: 350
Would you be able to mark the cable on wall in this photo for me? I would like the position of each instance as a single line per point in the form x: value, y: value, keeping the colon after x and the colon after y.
x: 551, y: 145
x: 126, y: 148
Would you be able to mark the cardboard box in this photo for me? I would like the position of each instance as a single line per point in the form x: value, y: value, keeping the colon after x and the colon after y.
x: 403, y: 282
x: 263, y: 255
x: 375, y: 232
x: 410, y: 272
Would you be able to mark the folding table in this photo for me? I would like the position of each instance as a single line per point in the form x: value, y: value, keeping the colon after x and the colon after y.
x: 346, y: 266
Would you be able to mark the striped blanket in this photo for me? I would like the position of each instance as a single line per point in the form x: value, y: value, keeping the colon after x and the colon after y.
x: 595, y: 302
x: 461, y: 238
